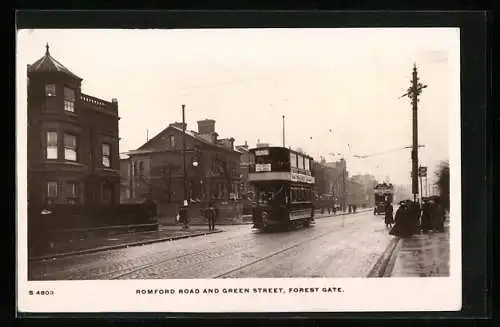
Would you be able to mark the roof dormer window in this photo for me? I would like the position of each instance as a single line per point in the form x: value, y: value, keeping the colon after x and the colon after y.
x: 50, y: 90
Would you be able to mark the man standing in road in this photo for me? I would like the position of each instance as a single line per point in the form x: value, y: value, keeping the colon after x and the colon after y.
x: 211, y: 215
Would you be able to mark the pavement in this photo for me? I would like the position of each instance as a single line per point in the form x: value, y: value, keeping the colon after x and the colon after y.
x: 422, y: 255
x: 104, y: 243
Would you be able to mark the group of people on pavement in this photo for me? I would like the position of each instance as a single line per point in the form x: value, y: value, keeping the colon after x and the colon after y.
x: 210, y: 213
x: 412, y: 218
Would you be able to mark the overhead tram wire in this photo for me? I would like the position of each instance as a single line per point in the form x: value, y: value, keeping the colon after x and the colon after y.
x: 384, y: 152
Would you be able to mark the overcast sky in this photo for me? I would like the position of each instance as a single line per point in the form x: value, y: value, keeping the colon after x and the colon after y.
x: 338, y: 88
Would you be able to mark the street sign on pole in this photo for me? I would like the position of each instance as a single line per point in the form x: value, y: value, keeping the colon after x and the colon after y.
x: 422, y: 171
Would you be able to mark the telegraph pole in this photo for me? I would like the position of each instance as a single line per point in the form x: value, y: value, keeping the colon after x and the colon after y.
x: 184, y: 154
x: 413, y: 92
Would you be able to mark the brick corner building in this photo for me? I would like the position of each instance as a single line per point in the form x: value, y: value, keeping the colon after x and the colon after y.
x: 73, y: 142
x: 156, y: 167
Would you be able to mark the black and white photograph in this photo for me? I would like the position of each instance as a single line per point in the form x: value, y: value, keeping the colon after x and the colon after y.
x: 211, y: 170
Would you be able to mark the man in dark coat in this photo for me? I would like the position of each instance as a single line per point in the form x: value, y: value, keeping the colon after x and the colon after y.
x: 211, y: 215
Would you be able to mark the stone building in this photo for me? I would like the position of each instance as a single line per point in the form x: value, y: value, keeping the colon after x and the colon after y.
x: 156, y: 167
x: 360, y: 190
x: 331, y: 180
x: 73, y: 150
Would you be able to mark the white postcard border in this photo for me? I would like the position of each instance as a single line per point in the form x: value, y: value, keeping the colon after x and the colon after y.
x: 358, y: 294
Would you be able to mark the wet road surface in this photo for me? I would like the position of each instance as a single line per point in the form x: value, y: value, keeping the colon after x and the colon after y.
x: 341, y: 246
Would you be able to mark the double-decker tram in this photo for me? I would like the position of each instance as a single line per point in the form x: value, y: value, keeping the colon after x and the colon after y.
x: 283, y: 182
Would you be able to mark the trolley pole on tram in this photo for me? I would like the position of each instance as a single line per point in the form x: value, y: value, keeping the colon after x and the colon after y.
x: 283, y: 130
x: 413, y: 92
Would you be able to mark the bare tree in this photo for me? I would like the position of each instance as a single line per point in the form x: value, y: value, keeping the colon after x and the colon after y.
x: 223, y: 168
x: 163, y: 173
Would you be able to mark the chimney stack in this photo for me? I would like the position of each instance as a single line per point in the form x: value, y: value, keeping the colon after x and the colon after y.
x: 206, y: 130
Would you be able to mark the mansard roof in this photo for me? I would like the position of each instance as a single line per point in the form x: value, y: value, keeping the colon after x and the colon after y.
x: 47, y: 64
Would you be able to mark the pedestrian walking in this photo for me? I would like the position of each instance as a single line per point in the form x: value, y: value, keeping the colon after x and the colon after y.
x: 211, y: 215
x: 389, y: 220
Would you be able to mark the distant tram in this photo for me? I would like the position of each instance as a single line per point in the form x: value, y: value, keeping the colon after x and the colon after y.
x: 384, y: 193
x: 284, y: 185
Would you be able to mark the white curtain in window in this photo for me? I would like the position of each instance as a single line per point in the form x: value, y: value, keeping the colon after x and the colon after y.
x: 69, y: 147
x: 52, y: 189
x: 69, y: 105
x: 51, y: 145
x: 106, y: 155
x: 72, y: 190
x: 301, y: 162
x: 293, y: 160
x: 50, y: 89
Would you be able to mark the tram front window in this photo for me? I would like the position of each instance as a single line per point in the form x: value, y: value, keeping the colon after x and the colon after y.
x: 271, y: 195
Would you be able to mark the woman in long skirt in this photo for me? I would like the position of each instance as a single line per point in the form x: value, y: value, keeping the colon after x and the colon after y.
x: 389, y: 220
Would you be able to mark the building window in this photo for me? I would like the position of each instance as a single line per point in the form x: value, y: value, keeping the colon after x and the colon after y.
x: 50, y: 90
x: 293, y: 160
x: 171, y: 140
x: 69, y: 100
x: 300, y: 160
x: 51, y: 145
x: 70, y: 147
x: 72, y: 192
x: 106, y: 155
x: 51, y: 192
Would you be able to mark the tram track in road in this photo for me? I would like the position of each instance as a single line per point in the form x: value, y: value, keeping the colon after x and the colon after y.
x: 135, y: 269
x: 235, y: 240
x: 275, y: 253
x: 144, y: 267
x: 298, y: 244
x: 161, y: 262
x: 108, y: 275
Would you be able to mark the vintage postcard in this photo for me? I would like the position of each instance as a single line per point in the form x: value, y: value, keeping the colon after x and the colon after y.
x: 238, y: 170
